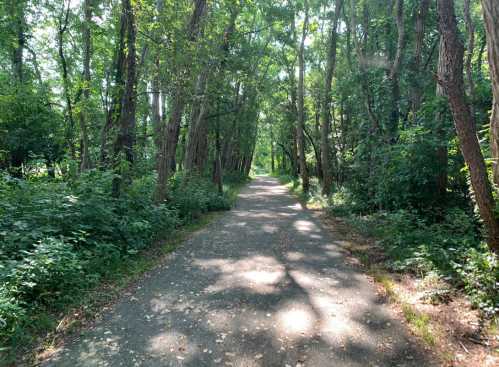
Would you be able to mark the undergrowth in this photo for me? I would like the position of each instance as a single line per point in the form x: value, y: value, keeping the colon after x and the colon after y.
x: 60, y: 239
x: 449, y: 248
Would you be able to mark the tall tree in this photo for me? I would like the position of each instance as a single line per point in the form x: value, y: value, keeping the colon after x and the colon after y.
x: 394, y: 71
x: 63, y: 23
x: 451, y: 78
x: 127, y: 95
x: 491, y: 18
x: 195, y: 156
x: 17, y: 9
x: 170, y: 133
x: 417, y: 86
x: 85, y: 161
x: 327, y: 179
x: 300, y: 137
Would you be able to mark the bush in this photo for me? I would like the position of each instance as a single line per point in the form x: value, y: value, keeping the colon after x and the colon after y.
x: 192, y: 196
x: 450, y: 248
x: 59, y: 238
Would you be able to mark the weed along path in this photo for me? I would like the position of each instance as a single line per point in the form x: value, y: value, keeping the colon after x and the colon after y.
x: 265, y: 286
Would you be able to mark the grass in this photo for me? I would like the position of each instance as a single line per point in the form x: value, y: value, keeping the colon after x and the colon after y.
x: 48, y: 329
x: 420, y: 323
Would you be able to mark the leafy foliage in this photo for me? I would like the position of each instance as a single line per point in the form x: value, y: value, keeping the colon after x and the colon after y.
x: 450, y: 248
x: 60, y: 238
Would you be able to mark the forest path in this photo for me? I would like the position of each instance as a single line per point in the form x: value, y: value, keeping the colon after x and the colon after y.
x: 265, y: 285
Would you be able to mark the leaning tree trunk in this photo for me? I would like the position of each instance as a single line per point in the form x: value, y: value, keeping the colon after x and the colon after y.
x: 491, y: 17
x: 170, y: 134
x: 327, y: 177
x: 451, y: 78
x: 301, y: 105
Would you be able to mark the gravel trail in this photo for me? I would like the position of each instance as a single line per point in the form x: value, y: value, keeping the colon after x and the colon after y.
x: 263, y: 286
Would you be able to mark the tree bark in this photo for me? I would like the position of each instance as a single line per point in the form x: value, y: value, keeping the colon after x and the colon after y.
x: 327, y: 176
x: 301, y: 105
x: 491, y: 17
x: 451, y: 79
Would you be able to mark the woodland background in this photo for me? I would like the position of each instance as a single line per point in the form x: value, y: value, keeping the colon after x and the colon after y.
x: 122, y: 121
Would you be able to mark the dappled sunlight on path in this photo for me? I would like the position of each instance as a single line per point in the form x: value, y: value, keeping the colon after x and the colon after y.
x: 265, y: 285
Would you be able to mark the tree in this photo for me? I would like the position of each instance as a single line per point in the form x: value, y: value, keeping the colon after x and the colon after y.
x: 123, y: 118
x: 170, y: 133
x: 491, y: 18
x: 327, y: 179
x: 85, y: 161
x: 300, y: 137
x: 451, y: 78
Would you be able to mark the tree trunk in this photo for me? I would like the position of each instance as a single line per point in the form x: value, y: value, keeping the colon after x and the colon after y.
x: 156, y: 103
x: 441, y: 152
x: 394, y: 72
x: 125, y: 140
x: 117, y: 90
x: 417, y: 86
x: 70, y: 128
x: 470, y: 47
x: 327, y: 176
x: 218, y: 175
x: 272, y: 151
x: 451, y: 79
x: 85, y: 162
x: 198, y: 129
x: 170, y: 134
x: 197, y: 142
x: 301, y: 105
x: 17, y: 9
x: 491, y: 17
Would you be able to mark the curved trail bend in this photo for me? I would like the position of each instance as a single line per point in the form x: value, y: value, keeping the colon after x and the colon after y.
x: 263, y: 286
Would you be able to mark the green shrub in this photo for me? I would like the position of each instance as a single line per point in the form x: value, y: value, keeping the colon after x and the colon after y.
x: 192, y: 195
x: 58, y: 238
x: 416, y: 242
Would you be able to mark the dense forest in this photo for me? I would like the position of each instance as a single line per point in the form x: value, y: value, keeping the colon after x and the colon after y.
x: 122, y: 121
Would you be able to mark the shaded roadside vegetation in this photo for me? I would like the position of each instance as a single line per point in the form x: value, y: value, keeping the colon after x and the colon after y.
x: 62, y: 239
x: 424, y: 267
x: 447, y: 245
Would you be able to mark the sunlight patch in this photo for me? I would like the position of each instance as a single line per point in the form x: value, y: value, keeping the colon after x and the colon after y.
x: 305, y: 226
x: 263, y: 277
x: 296, y: 320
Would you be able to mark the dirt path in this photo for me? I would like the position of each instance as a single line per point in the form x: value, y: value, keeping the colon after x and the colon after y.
x: 263, y: 286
